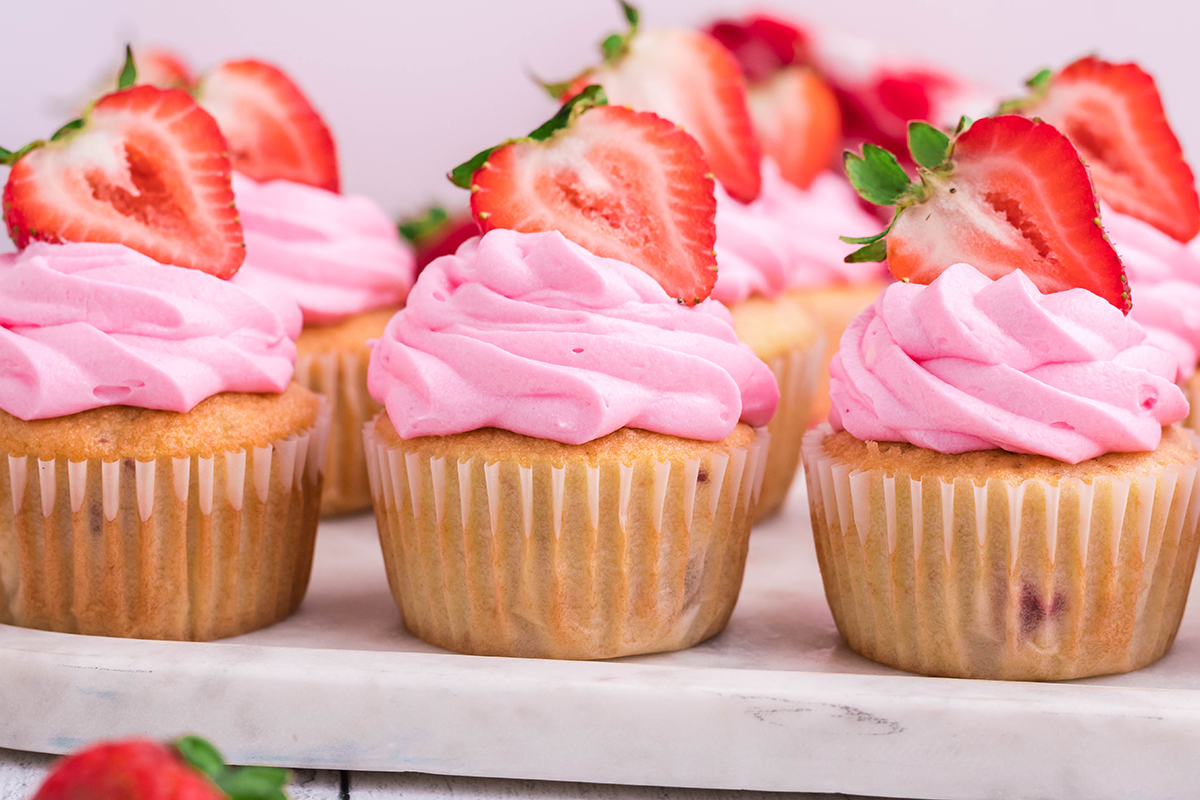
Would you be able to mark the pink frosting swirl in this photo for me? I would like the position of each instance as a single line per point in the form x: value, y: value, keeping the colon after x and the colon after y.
x: 788, y: 237
x: 336, y: 254
x: 1164, y: 276
x: 532, y: 333
x: 90, y: 325
x: 967, y: 363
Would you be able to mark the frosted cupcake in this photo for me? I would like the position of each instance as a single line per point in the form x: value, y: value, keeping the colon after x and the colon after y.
x: 572, y: 445
x: 340, y: 256
x: 778, y: 258
x: 998, y: 496
x: 158, y: 478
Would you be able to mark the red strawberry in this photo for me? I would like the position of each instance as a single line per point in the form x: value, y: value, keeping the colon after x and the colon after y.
x: 763, y: 45
x: 798, y: 123
x: 624, y: 184
x: 1007, y: 193
x: 435, y: 233
x: 1114, y: 115
x: 162, y: 68
x: 273, y: 131
x: 139, y: 769
x: 689, y: 78
x: 146, y: 168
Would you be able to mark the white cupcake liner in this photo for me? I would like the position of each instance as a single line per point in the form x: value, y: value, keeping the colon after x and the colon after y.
x: 573, y: 561
x: 796, y: 372
x: 341, y: 377
x: 173, y: 548
x: 1015, y: 581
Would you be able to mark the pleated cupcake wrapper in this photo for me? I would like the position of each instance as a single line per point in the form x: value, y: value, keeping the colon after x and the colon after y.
x: 190, y: 548
x: 796, y: 372
x: 575, y: 561
x: 1026, y: 581
x: 341, y: 378
x: 1191, y: 390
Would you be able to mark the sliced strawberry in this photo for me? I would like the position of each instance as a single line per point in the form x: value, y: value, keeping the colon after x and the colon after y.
x: 690, y: 78
x: 763, y: 45
x: 435, y: 233
x: 1008, y: 193
x: 1114, y: 115
x: 145, y: 168
x: 624, y: 184
x: 798, y: 123
x: 273, y: 131
x: 162, y: 68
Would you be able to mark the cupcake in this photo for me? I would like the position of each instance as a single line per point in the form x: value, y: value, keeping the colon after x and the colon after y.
x: 778, y: 258
x: 572, y: 445
x: 340, y: 256
x: 159, y: 478
x: 1001, y: 493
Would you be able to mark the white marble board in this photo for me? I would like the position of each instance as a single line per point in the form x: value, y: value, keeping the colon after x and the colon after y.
x: 777, y: 702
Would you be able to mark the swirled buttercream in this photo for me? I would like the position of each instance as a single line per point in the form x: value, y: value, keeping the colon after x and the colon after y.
x: 336, y: 254
x: 1164, y: 276
x: 788, y: 237
x: 967, y: 363
x: 90, y: 325
x: 532, y: 333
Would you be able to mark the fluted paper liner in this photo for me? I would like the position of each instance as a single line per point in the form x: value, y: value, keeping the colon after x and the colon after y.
x: 341, y: 377
x: 575, y: 561
x: 192, y: 548
x: 796, y: 372
x: 1191, y: 390
x: 1026, y: 581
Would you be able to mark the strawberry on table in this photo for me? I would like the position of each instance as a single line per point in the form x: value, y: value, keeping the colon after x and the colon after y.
x: 1114, y: 115
x: 624, y: 184
x: 1006, y: 193
x: 794, y: 110
x: 436, y: 232
x: 687, y: 77
x: 273, y: 130
x: 144, y: 167
x: 140, y: 769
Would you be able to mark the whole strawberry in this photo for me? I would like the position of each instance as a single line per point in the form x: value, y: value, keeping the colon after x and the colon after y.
x: 436, y: 232
x: 141, y: 769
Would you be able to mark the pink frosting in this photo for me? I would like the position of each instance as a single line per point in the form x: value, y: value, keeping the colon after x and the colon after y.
x: 1164, y: 276
x: 532, y: 333
x: 967, y: 363
x: 90, y: 325
x: 336, y: 254
x: 788, y: 237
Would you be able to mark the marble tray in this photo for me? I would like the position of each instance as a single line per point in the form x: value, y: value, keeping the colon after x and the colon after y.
x: 777, y: 702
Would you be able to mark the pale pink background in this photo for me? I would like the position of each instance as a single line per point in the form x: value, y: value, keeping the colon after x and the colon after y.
x: 411, y: 88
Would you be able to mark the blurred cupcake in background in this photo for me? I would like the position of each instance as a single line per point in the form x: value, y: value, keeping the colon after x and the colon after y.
x: 340, y: 256
x: 160, y: 478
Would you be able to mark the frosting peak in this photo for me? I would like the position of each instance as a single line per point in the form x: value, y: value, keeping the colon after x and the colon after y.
x: 534, y: 334
x: 336, y: 254
x: 967, y: 363
x: 90, y: 325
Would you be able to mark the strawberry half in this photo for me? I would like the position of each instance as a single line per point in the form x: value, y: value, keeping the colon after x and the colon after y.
x: 273, y: 131
x: 435, y: 233
x: 140, y: 769
x: 624, y: 184
x: 1114, y: 115
x: 162, y: 68
x: 763, y: 45
x: 145, y: 167
x: 1007, y: 193
x: 687, y: 77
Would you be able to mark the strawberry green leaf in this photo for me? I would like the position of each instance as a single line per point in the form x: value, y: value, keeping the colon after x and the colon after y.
x: 417, y: 228
x: 929, y: 146
x: 964, y: 122
x: 128, y: 75
x: 73, y: 125
x: 617, y: 44
x: 253, y: 783
x: 590, y: 97
x: 866, y: 239
x: 201, y: 755
x: 555, y: 90
x: 1040, y: 80
x: 876, y: 175
x: 875, y: 251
